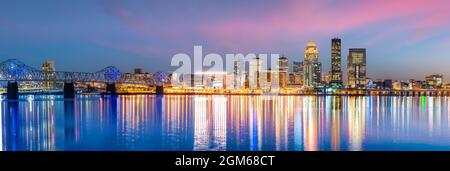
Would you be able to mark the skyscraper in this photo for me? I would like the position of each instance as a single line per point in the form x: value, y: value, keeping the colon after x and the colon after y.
x: 356, y: 68
x: 311, y: 66
x: 336, y: 68
x: 283, y: 70
x: 255, y: 73
x: 238, y: 75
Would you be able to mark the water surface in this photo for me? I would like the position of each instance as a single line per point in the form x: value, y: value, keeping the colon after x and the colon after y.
x: 199, y: 122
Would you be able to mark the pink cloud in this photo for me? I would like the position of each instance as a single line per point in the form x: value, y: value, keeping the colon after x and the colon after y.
x: 294, y: 20
x: 300, y: 19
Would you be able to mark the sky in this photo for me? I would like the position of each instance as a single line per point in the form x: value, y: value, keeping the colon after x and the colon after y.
x: 404, y: 38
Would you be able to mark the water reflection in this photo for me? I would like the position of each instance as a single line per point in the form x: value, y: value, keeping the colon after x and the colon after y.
x: 70, y: 132
x: 184, y: 122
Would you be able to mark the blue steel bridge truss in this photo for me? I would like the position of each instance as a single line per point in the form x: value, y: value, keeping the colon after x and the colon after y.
x: 15, y: 70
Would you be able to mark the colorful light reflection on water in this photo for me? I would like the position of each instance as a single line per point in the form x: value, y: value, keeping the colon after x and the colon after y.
x: 188, y: 122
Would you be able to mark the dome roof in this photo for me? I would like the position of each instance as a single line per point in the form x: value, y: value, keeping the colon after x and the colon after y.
x: 311, y: 43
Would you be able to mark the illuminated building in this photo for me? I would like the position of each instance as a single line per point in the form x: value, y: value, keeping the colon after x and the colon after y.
x: 326, y: 79
x: 312, y: 75
x: 48, y: 68
x: 311, y: 66
x: 238, y: 75
x: 187, y: 80
x: 417, y: 84
x: 411, y: 84
x: 297, y: 73
x: 357, y: 68
x: 400, y: 85
x: 297, y: 68
x: 255, y: 73
x: 434, y: 81
x: 138, y: 73
x: 383, y: 84
x: 292, y: 78
x: 336, y: 68
x: 194, y: 80
x: 218, y: 80
x: 446, y: 86
x: 210, y: 79
x: 283, y: 69
x: 311, y: 52
x: 270, y: 75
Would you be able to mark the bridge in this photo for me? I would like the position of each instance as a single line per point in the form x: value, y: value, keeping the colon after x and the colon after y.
x: 14, y: 71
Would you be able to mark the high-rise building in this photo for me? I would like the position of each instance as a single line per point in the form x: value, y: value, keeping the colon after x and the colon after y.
x: 238, y: 75
x: 311, y: 51
x: 312, y: 68
x: 336, y: 68
x: 283, y: 70
x: 255, y: 73
x: 357, y: 68
x: 48, y: 69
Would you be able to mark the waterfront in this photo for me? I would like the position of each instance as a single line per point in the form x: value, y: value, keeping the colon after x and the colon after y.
x: 219, y: 122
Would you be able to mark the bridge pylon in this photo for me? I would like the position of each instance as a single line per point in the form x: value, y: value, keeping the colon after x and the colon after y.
x: 159, y: 90
x: 111, y: 89
x: 69, y: 90
x: 12, y: 91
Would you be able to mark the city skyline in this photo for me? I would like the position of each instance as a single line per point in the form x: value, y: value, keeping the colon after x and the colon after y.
x: 335, y: 76
x: 133, y: 34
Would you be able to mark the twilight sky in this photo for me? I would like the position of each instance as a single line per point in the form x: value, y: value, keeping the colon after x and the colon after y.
x: 404, y: 38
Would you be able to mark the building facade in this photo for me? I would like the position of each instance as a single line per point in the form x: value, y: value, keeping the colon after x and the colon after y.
x: 255, y: 75
x: 48, y: 69
x: 336, y: 67
x: 357, y: 68
x: 283, y: 71
x: 312, y: 68
x: 434, y: 81
x: 297, y: 73
x: 238, y: 75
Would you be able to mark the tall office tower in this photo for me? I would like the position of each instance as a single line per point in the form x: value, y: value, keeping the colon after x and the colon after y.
x: 357, y: 68
x: 283, y: 70
x: 48, y: 68
x: 255, y: 73
x: 311, y: 66
x: 336, y: 68
x: 297, y: 71
x: 317, y: 73
x: 238, y: 75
